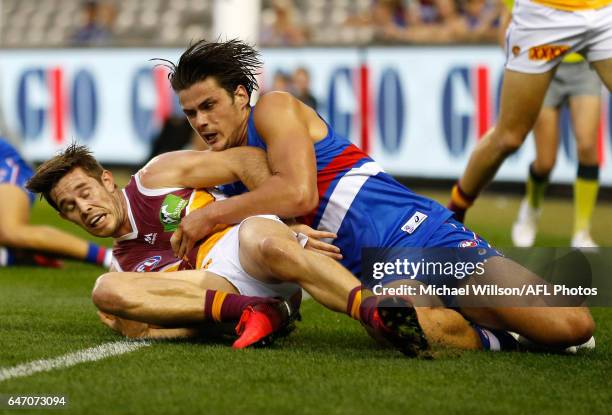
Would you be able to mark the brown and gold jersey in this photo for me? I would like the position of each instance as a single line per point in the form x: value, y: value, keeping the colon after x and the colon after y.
x: 154, y: 215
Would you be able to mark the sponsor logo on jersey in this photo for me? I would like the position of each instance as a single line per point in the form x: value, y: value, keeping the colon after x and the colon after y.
x: 170, y: 212
x: 516, y: 50
x: 150, y: 238
x: 468, y: 244
x: 547, y: 52
x: 148, y: 264
x: 414, y: 222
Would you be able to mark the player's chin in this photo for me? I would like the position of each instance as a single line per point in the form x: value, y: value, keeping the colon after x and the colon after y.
x: 219, y: 146
x: 102, y: 232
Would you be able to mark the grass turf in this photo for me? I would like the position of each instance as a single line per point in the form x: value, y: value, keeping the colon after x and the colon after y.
x: 329, y: 365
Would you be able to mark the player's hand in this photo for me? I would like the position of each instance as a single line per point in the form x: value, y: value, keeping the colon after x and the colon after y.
x: 128, y: 328
x: 193, y: 227
x: 315, y: 243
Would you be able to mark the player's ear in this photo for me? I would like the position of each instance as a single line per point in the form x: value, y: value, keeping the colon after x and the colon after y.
x: 241, y: 96
x: 108, y: 181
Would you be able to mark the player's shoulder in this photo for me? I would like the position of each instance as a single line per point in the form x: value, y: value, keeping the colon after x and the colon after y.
x: 274, y: 105
x: 277, y: 112
x: 275, y: 99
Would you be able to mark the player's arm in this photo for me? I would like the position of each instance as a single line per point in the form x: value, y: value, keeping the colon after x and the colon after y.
x: 201, y: 169
x: 291, y: 191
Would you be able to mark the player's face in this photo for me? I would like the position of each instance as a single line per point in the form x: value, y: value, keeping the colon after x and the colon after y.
x: 92, y: 205
x: 218, y: 117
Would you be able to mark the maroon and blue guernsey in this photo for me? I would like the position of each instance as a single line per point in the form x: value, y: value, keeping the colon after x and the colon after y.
x: 154, y: 215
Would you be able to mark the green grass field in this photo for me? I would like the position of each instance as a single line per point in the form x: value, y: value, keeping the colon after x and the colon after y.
x: 327, y: 366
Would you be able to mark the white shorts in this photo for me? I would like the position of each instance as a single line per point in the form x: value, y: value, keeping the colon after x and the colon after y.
x: 539, y: 37
x: 224, y: 260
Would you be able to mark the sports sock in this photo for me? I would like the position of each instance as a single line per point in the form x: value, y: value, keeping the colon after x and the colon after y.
x: 460, y: 202
x: 222, y: 307
x: 359, y: 308
x: 495, y: 340
x: 353, y: 304
x: 536, y: 186
x: 586, y: 188
x: 98, y: 255
x: 7, y: 257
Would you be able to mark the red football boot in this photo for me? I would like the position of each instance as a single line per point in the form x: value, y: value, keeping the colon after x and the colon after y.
x: 47, y: 262
x: 25, y: 257
x: 260, y: 323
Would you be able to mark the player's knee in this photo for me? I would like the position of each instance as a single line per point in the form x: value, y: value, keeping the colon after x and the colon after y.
x: 583, y: 326
x: 279, y: 256
x: 509, y: 141
x: 106, y: 294
x: 575, y: 327
x: 586, y: 150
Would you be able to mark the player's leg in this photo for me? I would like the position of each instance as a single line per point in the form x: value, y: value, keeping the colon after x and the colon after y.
x: 604, y: 70
x: 269, y: 251
x: 441, y: 326
x: 585, y: 111
x: 172, y: 299
x: 269, y: 248
x: 521, y: 99
x: 546, y: 133
x: 558, y: 327
x: 178, y: 300
x: 17, y: 232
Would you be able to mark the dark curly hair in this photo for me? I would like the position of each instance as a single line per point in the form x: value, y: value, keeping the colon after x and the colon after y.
x: 231, y: 63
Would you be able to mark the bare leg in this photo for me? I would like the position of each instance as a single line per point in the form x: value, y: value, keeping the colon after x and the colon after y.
x: 521, y: 100
x: 604, y: 70
x: 269, y: 251
x: 546, y: 133
x: 172, y: 299
x: 585, y: 111
x: 442, y: 326
x: 548, y: 326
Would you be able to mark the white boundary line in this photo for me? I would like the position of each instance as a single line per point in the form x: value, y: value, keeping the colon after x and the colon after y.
x: 92, y: 354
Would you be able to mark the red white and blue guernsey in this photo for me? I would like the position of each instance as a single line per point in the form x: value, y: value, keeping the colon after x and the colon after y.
x: 362, y: 204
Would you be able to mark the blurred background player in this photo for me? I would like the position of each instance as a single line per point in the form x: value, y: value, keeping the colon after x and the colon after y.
x: 540, y: 35
x: 96, y: 26
x: 24, y: 243
x: 576, y: 86
x: 301, y: 87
